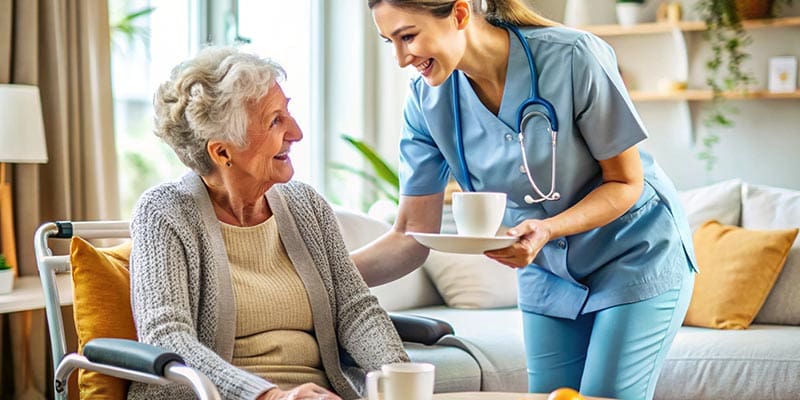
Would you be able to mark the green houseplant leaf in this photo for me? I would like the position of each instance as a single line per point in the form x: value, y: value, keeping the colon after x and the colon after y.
x: 379, y: 185
x: 4, y: 265
x: 126, y: 26
x: 725, y: 69
x: 381, y: 167
x: 383, y: 176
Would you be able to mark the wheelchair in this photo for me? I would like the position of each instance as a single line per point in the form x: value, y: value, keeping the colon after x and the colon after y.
x: 132, y: 360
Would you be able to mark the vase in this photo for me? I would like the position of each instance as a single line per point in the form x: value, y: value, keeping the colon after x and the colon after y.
x: 589, y: 12
x: 6, y: 281
x: 753, y: 9
x: 629, y: 13
x: 577, y: 13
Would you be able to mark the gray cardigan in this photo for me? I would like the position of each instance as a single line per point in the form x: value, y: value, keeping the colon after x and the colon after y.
x: 182, y: 296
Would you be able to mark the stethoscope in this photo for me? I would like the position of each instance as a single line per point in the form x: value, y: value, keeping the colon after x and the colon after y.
x: 522, y: 120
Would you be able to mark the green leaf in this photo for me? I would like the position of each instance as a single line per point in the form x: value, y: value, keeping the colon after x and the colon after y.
x: 382, y: 169
x: 126, y: 26
x: 376, y: 182
x: 4, y: 263
x: 136, y: 14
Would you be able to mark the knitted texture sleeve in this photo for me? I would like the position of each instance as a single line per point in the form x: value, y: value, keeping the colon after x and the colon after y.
x: 363, y: 328
x: 173, y: 291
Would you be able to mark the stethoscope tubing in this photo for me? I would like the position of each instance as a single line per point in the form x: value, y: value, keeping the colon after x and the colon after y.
x: 522, y: 120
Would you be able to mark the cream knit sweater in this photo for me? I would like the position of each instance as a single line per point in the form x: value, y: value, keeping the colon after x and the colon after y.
x: 282, y: 348
x: 182, y: 296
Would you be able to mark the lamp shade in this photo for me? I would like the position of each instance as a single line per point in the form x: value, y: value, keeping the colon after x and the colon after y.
x: 21, y: 125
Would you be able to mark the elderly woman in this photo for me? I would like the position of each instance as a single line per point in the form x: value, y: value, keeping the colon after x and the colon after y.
x: 236, y: 268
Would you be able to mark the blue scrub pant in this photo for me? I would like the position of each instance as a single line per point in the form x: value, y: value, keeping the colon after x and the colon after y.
x: 616, y: 352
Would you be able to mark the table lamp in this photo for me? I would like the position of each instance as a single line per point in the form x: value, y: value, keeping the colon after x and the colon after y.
x: 21, y: 141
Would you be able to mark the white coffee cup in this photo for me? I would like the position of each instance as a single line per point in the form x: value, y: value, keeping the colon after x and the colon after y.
x: 478, y: 213
x: 402, y: 381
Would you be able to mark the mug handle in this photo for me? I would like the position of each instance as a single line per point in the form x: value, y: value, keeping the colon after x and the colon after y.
x: 373, y: 377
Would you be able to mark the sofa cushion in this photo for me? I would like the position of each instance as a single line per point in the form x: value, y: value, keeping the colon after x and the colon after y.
x: 456, y: 370
x: 494, y: 338
x: 761, y: 362
x: 765, y: 207
x: 411, y: 291
x: 738, y: 268
x: 721, y: 201
x: 472, y: 280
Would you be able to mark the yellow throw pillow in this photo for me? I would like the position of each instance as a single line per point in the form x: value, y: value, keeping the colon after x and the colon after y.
x: 102, y: 308
x: 738, y: 268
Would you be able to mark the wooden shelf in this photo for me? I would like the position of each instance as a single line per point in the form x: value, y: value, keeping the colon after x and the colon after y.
x: 705, y: 95
x: 684, y: 26
x: 28, y: 294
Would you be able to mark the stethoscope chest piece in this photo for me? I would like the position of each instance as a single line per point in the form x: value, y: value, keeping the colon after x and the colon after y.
x: 551, y: 195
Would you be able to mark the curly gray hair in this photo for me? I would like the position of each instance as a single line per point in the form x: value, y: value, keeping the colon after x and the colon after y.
x: 206, y: 99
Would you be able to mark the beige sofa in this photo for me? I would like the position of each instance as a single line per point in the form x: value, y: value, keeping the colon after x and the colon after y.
x: 477, y: 298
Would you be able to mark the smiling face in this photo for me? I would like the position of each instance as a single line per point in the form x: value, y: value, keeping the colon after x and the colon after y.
x: 271, y: 130
x: 433, y: 46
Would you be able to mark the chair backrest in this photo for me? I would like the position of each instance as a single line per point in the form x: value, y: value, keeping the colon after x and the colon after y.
x: 50, y: 264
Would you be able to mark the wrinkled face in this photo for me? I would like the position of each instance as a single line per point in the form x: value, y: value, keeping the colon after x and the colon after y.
x: 433, y: 46
x: 271, y: 130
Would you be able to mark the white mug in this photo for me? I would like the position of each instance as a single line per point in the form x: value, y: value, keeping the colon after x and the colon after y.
x: 402, y: 381
x: 478, y: 213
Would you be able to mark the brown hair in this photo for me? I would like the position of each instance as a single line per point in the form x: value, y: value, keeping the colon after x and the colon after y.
x: 514, y: 12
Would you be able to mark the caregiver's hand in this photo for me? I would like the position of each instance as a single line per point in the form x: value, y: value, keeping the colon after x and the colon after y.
x: 533, y: 235
x: 305, y: 391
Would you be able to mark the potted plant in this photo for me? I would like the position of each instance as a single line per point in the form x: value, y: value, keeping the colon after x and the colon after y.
x: 383, y: 178
x: 629, y: 12
x: 724, y: 71
x: 6, y: 276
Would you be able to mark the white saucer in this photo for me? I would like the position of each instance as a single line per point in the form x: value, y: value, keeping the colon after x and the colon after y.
x: 450, y: 243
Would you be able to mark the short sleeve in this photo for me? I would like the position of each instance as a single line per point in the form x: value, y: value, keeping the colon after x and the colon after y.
x: 604, y: 113
x: 423, y: 168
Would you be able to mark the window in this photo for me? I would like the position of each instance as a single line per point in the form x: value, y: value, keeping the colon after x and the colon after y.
x: 281, y: 30
x: 146, y: 47
x: 140, y: 60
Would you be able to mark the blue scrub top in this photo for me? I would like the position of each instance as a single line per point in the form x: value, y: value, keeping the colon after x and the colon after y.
x: 642, y: 254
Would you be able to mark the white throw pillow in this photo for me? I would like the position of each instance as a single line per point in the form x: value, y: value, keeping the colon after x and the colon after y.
x: 765, y: 207
x: 357, y: 228
x: 472, y: 280
x: 721, y: 201
x: 414, y: 290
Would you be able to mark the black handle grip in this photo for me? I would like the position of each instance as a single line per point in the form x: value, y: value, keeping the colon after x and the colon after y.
x: 130, y: 354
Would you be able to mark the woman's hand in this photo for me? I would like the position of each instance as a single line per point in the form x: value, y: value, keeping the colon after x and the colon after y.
x: 533, y: 235
x: 304, y: 391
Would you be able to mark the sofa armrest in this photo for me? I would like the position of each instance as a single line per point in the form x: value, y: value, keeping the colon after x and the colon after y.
x: 419, y: 329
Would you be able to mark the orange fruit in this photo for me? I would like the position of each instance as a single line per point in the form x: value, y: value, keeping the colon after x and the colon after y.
x: 565, y: 393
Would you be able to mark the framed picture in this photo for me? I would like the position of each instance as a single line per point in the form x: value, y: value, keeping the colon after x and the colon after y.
x: 782, y: 74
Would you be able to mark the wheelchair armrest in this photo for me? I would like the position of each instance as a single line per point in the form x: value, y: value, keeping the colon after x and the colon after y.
x: 130, y: 354
x: 419, y: 329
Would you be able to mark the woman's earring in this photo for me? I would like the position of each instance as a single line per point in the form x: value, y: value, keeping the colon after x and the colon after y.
x: 228, y: 163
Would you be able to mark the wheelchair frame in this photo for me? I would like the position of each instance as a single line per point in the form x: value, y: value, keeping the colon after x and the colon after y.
x: 120, y: 358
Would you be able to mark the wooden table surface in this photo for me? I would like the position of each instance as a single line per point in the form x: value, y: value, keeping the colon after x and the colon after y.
x: 28, y: 294
x: 495, y: 396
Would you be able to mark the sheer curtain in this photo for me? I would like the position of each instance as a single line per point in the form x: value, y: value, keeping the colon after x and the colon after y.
x: 63, y: 47
x: 362, y: 92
